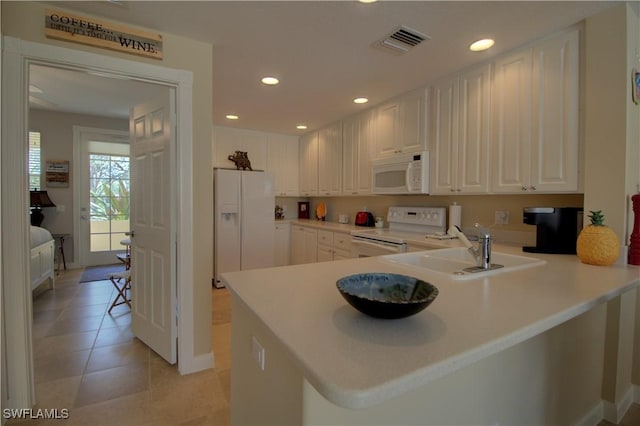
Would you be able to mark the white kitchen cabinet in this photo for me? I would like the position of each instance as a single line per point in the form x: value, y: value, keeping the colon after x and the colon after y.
x: 554, y: 133
x: 460, y: 133
x: 535, y: 142
x: 308, y: 165
x: 304, y: 245
x: 228, y: 140
x: 357, y: 138
x: 282, y: 163
x: 330, y: 160
x: 401, y: 125
x: 333, y: 246
x: 282, y: 247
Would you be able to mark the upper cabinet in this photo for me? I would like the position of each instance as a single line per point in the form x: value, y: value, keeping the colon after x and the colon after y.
x: 282, y: 163
x: 330, y: 160
x: 227, y: 140
x: 358, y: 135
x: 535, y: 135
x: 401, y: 125
x: 460, y: 133
x: 308, y: 165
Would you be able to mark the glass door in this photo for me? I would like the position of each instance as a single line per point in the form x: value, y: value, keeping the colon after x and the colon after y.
x: 104, y: 196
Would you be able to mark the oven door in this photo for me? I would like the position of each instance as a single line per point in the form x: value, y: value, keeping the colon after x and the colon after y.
x: 362, y: 247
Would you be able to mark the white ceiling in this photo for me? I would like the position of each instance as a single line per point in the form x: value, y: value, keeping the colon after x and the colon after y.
x: 321, y: 52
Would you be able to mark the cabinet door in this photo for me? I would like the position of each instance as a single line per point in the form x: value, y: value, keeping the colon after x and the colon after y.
x: 227, y: 140
x: 554, y: 133
x: 350, y: 136
x: 413, y: 121
x: 310, y: 245
x: 512, y: 123
x: 474, y: 114
x: 357, y: 139
x: 330, y: 160
x: 444, y: 136
x: 387, y: 129
x: 297, y: 245
x: 282, y: 244
x: 365, y: 144
x: 308, y: 164
x: 282, y: 163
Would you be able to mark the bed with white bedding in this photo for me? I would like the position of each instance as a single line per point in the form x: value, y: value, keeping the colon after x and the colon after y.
x: 42, y: 257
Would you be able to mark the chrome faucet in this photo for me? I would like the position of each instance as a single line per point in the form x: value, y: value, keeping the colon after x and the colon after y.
x: 482, y: 253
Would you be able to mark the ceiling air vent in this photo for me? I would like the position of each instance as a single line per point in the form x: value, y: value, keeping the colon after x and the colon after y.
x: 401, y: 40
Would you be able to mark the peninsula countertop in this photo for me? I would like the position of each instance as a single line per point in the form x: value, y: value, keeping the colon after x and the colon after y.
x: 356, y: 361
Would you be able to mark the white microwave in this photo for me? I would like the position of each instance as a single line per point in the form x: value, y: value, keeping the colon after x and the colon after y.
x: 401, y: 174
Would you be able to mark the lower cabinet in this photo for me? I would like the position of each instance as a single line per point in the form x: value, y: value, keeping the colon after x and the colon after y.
x: 333, y: 246
x: 310, y: 245
x: 282, y: 247
x: 304, y: 245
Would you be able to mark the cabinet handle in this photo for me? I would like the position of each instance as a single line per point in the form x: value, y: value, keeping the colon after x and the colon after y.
x: 524, y: 188
x: 452, y: 190
x: 533, y: 188
x: 458, y: 190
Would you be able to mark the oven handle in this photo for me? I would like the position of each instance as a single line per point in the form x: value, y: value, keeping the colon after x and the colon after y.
x: 390, y: 248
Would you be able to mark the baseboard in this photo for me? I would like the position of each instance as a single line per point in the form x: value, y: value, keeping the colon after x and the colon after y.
x: 636, y: 394
x: 593, y: 417
x: 614, y: 412
x: 198, y: 363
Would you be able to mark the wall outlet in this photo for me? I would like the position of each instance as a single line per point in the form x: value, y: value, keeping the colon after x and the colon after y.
x: 501, y: 217
x: 60, y: 208
x: 257, y: 351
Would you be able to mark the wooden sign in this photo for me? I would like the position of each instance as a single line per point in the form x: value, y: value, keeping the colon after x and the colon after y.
x: 57, y: 174
x: 96, y: 32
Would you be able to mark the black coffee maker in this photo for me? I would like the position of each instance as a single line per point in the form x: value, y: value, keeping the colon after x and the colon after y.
x: 557, y: 228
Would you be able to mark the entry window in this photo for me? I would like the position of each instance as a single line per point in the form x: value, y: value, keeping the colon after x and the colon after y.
x: 34, y: 165
x: 109, y: 187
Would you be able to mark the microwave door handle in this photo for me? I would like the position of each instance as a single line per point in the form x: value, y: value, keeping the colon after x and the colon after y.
x: 407, y: 177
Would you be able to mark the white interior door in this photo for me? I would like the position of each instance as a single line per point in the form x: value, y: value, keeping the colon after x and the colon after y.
x: 153, y: 257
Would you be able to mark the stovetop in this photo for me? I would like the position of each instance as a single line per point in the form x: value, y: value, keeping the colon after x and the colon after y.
x: 407, y: 223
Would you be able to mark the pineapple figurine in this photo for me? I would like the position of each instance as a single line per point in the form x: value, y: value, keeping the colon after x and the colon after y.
x: 597, y: 243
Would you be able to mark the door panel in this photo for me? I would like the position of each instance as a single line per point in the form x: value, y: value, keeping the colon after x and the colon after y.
x: 153, y: 258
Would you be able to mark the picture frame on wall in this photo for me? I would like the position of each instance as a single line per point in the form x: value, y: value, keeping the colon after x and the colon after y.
x: 635, y: 80
x: 57, y: 174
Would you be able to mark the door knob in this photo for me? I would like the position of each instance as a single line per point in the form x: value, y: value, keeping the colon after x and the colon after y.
x: 130, y: 234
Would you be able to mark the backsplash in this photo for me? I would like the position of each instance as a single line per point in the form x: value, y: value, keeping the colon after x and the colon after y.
x: 475, y: 208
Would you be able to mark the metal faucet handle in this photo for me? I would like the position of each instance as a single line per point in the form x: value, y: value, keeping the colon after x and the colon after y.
x: 483, y: 232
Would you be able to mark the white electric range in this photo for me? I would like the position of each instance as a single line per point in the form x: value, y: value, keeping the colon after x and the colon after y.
x: 405, y: 223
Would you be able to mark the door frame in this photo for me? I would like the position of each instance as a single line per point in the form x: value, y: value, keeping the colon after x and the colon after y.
x: 79, y: 186
x: 17, y: 55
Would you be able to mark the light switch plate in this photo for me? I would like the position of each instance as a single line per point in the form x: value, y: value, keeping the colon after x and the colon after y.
x: 257, y: 351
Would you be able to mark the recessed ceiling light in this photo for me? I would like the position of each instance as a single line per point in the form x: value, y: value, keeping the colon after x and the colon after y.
x: 361, y: 100
x: 301, y: 127
x: 480, y: 45
x: 231, y: 117
x: 270, y: 81
x: 367, y: 1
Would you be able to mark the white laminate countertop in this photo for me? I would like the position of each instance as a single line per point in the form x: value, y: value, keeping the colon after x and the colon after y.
x: 356, y: 361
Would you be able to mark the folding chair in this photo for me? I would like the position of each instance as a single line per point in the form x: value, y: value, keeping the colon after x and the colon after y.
x: 122, y: 282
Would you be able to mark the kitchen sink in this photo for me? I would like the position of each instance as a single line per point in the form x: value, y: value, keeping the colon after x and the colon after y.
x: 458, y: 264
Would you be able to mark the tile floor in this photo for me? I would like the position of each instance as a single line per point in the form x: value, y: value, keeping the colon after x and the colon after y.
x: 89, y: 362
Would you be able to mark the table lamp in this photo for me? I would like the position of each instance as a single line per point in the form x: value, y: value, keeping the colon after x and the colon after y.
x: 39, y: 200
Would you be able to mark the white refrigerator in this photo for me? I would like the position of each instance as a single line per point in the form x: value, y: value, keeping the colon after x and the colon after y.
x: 244, y: 204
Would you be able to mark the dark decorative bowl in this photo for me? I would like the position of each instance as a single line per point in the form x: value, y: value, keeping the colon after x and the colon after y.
x: 388, y: 296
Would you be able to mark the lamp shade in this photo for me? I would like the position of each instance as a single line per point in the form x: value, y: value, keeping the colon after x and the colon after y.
x: 41, y: 199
